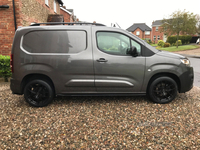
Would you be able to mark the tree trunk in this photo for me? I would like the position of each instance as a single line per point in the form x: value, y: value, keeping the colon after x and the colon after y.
x: 177, y: 40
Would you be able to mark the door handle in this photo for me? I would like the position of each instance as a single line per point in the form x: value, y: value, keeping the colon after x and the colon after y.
x: 102, y: 60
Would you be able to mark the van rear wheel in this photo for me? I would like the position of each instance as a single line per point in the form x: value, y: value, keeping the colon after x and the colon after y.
x: 163, y: 90
x: 38, y: 93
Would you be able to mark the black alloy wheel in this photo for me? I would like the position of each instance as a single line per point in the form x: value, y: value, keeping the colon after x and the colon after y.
x: 163, y: 90
x: 38, y: 93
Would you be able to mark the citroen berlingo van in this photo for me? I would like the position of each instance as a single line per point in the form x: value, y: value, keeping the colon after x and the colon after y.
x: 92, y: 59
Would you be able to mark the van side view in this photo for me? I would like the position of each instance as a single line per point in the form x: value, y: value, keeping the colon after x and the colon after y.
x: 92, y: 59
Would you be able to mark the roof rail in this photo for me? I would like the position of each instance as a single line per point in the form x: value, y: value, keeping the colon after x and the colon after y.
x: 67, y: 23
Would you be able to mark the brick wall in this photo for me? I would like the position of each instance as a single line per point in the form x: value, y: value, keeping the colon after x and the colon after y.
x: 36, y: 11
x: 27, y: 11
x: 7, y: 28
x: 67, y: 16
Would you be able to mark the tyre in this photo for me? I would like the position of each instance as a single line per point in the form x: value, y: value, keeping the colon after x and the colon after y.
x: 38, y: 93
x: 162, y: 90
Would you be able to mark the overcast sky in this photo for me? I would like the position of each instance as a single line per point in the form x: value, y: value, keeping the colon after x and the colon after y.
x: 127, y: 12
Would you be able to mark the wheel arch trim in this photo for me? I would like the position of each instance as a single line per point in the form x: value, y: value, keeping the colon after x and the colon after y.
x: 165, y: 74
x: 33, y: 76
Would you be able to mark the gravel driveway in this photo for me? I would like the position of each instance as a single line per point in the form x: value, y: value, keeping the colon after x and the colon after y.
x: 100, y: 122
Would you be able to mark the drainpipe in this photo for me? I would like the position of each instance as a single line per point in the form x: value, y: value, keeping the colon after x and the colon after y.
x: 15, y: 22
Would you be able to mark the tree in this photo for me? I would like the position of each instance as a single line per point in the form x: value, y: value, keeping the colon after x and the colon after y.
x: 180, y: 22
x: 198, y: 24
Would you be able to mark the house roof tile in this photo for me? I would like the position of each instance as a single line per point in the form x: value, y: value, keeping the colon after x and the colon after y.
x: 142, y: 26
x: 157, y: 23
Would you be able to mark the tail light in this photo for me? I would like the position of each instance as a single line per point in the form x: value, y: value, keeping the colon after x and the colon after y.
x: 11, y: 63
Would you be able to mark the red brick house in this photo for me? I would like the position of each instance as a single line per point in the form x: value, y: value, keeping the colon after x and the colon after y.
x: 141, y: 30
x: 156, y: 34
x: 23, y: 13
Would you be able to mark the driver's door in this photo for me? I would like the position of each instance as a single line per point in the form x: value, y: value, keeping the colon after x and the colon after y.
x: 115, y: 71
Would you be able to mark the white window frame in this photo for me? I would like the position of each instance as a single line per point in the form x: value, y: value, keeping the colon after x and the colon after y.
x: 55, y: 8
x: 158, y: 37
x: 157, y: 28
x: 147, y: 32
x: 137, y: 32
x: 47, y: 2
x: 154, y: 37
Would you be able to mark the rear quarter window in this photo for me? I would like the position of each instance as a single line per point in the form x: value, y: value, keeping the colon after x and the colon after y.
x: 55, y: 41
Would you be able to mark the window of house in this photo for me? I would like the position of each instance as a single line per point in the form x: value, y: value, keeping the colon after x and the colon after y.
x: 47, y: 2
x: 147, y: 32
x: 158, y: 37
x: 115, y: 43
x: 55, y: 42
x: 55, y: 10
x: 138, y: 33
x: 154, y: 38
x: 156, y: 28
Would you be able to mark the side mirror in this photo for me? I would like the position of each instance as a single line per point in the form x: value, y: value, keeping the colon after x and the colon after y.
x: 133, y: 51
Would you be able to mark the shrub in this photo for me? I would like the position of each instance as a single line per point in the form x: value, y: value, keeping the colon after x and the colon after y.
x: 166, y: 45
x: 148, y: 41
x: 179, y: 43
x: 161, y: 43
x: 5, y: 70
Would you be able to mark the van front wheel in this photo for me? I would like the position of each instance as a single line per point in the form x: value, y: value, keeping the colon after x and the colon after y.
x: 163, y: 90
x: 38, y: 93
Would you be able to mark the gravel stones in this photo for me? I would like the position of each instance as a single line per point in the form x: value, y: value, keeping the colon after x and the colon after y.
x: 100, y: 122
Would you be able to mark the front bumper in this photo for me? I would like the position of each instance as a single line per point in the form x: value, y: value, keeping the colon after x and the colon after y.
x: 186, y: 80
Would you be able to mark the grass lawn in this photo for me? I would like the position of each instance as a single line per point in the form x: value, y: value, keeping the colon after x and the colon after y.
x: 153, y: 44
x: 180, y: 48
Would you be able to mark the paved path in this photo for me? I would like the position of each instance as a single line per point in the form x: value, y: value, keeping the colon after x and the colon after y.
x: 195, y: 63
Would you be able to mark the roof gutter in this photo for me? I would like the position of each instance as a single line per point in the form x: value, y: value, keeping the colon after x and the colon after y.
x: 15, y: 22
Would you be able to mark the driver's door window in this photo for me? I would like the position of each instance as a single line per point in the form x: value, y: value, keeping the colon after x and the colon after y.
x: 113, y: 43
x: 138, y: 46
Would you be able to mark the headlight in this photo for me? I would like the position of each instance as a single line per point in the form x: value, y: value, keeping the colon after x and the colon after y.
x: 185, y: 61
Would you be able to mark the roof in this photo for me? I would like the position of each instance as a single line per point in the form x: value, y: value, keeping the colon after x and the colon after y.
x: 157, y: 23
x: 70, y: 10
x: 60, y: 2
x: 66, y: 10
x: 142, y: 27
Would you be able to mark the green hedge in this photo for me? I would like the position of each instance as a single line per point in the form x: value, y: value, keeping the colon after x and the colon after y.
x: 5, y: 70
x: 184, y: 38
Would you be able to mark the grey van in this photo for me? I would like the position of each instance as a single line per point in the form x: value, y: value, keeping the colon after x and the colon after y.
x: 92, y: 59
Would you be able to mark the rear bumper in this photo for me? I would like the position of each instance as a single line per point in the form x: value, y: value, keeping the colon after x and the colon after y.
x: 186, y: 80
x: 15, y: 87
